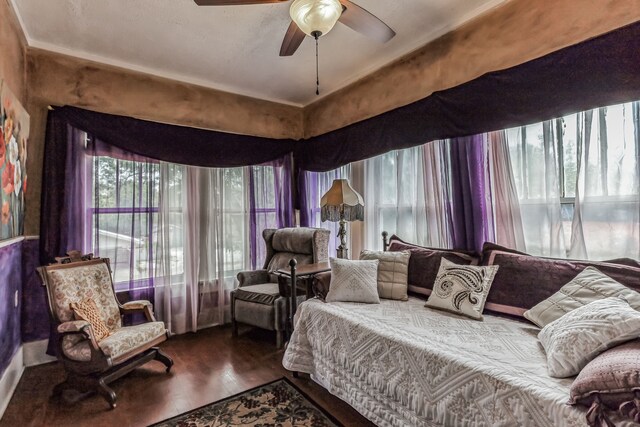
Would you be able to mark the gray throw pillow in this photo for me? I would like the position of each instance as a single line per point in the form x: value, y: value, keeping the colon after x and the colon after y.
x: 462, y: 289
x: 392, y: 273
x: 353, y: 281
x: 588, y: 286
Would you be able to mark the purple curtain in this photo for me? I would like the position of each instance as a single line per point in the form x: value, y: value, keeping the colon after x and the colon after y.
x: 77, y: 190
x: 56, y: 213
x: 270, y: 203
x: 308, y: 197
x: 470, y: 193
x: 175, y: 144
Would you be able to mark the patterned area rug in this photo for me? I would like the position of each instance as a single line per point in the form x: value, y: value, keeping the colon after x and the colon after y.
x: 279, y: 403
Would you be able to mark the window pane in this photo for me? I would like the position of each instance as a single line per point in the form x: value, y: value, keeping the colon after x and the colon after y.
x: 122, y: 183
x: 125, y: 240
x: 125, y: 200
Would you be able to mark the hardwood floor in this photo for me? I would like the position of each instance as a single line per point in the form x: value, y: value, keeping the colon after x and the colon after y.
x: 209, y: 365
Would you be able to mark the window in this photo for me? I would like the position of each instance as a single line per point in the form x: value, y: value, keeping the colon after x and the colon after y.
x: 586, y: 165
x: 394, y: 197
x: 535, y: 153
x: 123, y: 212
x: 234, y: 214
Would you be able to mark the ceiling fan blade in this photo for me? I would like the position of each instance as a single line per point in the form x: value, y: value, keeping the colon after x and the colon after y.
x: 292, y: 40
x: 233, y: 2
x: 364, y: 22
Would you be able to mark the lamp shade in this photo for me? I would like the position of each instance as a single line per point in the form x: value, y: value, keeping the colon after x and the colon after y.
x: 315, y: 15
x: 341, y: 202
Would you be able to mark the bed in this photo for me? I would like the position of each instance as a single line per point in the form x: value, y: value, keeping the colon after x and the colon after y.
x: 401, y: 364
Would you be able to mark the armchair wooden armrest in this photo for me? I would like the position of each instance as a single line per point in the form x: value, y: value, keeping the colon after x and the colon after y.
x: 253, y: 277
x: 85, y: 330
x: 74, y: 327
x: 139, y: 306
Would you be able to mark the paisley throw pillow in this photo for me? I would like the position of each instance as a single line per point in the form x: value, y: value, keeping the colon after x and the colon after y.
x: 461, y: 289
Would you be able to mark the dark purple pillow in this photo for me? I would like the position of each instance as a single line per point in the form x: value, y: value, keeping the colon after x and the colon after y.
x: 424, y: 262
x: 525, y: 280
x: 610, y: 382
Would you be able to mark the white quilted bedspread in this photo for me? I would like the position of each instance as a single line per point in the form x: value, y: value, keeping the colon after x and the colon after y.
x: 401, y: 364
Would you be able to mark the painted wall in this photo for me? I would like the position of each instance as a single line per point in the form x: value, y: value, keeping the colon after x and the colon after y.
x: 12, y: 46
x: 511, y: 34
x: 34, y: 314
x: 12, y: 71
x: 10, y: 289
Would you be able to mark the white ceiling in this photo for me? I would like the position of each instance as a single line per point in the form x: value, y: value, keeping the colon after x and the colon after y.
x: 233, y: 48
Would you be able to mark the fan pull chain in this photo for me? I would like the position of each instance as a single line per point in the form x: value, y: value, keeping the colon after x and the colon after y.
x: 317, y: 69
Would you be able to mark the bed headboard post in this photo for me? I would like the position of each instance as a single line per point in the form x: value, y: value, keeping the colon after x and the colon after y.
x: 385, y: 241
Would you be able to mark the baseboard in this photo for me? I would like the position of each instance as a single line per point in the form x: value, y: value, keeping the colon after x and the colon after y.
x: 35, y: 353
x: 10, y: 380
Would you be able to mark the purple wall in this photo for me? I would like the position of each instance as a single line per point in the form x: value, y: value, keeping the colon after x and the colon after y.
x: 35, y: 313
x: 10, y: 282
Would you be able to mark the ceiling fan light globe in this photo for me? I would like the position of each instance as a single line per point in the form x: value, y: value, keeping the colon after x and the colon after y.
x: 315, y: 16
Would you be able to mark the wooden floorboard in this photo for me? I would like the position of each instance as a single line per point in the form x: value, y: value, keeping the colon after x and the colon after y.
x: 209, y: 365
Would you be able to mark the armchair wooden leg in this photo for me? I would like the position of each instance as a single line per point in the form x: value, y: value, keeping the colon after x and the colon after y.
x: 164, y: 358
x: 106, y: 392
x: 279, y: 339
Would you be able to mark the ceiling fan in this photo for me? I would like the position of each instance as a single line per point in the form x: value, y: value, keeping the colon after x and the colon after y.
x: 317, y: 17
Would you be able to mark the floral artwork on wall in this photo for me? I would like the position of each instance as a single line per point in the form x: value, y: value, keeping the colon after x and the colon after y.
x: 14, y: 137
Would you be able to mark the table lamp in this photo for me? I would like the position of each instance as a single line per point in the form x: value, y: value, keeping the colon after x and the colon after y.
x: 341, y: 204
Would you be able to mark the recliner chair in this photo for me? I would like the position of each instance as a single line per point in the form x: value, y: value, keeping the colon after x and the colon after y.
x: 258, y: 300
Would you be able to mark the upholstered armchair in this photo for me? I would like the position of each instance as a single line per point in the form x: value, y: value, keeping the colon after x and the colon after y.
x: 258, y: 300
x: 92, y: 344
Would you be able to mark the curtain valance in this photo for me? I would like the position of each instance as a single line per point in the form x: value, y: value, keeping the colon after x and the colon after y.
x: 173, y: 143
x: 595, y: 73
x: 598, y: 72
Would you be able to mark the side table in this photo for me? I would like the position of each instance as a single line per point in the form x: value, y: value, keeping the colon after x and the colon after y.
x: 294, y: 273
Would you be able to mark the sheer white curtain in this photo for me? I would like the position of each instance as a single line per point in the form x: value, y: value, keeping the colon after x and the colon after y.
x: 535, y: 162
x: 202, y: 244
x: 436, y: 193
x: 509, y: 230
x: 394, y: 197
x: 606, y: 221
x: 577, y: 179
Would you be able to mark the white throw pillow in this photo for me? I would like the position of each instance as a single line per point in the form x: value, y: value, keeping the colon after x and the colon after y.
x: 462, y: 289
x: 354, y: 281
x: 579, y: 336
x: 393, y: 272
x: 588, y: 286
